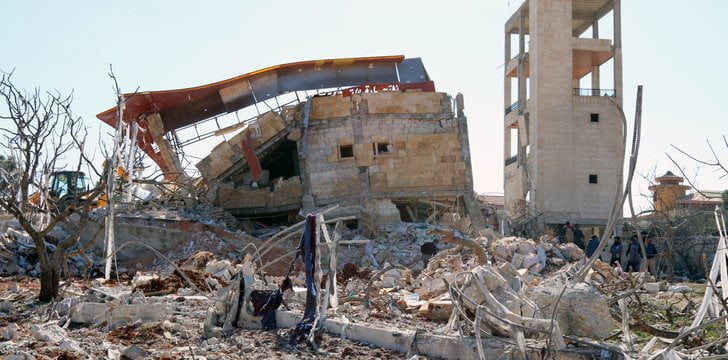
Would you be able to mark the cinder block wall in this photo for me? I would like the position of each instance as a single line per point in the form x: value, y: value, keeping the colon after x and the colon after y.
x: 425, y: 157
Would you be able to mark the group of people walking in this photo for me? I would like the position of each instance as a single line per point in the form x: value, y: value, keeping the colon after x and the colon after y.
x: 633, y: 254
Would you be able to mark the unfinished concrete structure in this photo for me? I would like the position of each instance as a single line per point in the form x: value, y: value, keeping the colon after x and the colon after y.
x: 562, y: 141
x: 379, y: 148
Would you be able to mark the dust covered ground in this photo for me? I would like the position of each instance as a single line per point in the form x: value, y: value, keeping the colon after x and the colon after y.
x: 177, y: 337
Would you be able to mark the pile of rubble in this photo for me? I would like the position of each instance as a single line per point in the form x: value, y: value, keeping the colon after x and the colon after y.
x: 18, y: 254
x: 208, y: 297
x: 399, y: 244
x: 534, y: 255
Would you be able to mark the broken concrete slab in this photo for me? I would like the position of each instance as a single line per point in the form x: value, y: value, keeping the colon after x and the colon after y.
x: 10, y: 332
x: 72, y: 346
x: 88, y: 313
x: 424, y: 344
x: 134, y: 352
x: 652, y: 288
x: 48, y: 333
x: 127, y: 314
x: 439, y: 310
x: 583, y: 311
x: 64, y: 306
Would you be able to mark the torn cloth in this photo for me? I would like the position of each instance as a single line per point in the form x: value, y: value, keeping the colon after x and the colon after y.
x: 307, y: 251
x: 266, y: 302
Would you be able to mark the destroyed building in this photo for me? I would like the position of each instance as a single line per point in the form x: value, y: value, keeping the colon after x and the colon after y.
x: 563, y: 132
x: 376, y: 139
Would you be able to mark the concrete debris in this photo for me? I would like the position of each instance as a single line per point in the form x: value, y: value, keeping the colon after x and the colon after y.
x: 113, y: 354
x: 18, y: 254
x: 395, y: 278
x: 10, y: 332
x: 582, y: 310
x: 679, y: 289
x: 72, y: 346
x: 511, y: 295
x: 653, y: 288
x: 143, y: 280
x: 135, y: 352
x: 88, y: 313
x: 48, y: 333
x: 501, y: 291
x: 128, y: 314
x: 534, y: 255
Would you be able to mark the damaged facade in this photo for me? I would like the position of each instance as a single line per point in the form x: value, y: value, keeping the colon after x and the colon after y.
x: 378, y: 149
x: 563, y: 133
x: 369, y: 152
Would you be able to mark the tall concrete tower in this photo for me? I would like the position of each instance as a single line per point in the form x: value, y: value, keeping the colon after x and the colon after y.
x: 562, y: 130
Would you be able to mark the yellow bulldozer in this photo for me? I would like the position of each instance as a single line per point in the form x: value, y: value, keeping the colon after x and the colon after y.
x: 69, y: 186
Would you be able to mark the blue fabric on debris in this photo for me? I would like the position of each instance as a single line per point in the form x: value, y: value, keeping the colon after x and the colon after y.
x: 307, y: 248
x: 307, y: 251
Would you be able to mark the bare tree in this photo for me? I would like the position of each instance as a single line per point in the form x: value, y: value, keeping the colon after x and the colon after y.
x: 715, y: 163
x: 41, y: 136
x: 685, y: 232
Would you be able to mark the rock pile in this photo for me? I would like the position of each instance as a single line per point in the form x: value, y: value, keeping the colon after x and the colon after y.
x: 18, y: 254
x: 534, y: 255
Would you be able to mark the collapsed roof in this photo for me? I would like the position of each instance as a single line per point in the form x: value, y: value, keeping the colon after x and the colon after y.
x: 183, y: 107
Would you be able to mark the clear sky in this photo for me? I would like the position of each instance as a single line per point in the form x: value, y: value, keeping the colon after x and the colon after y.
x: 676, y: 49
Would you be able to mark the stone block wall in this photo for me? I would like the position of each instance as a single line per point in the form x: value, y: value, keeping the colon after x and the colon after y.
x: 423, y: 152
x: 360, y: 150
x: 286, y: 192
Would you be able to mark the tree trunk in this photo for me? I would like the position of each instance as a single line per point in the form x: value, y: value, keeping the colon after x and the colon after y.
x: 49, y: 279
x: 670, y: 256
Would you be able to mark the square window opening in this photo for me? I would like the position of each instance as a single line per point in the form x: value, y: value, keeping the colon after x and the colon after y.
x: 594, y: 117
x: 593, y: 179
x: 346, y: 151
x: 383, y: 148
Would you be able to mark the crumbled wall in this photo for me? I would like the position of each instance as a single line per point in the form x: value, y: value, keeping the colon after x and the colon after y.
x: 227, y: 153
x: 422, y: 155
x: 286, y: 192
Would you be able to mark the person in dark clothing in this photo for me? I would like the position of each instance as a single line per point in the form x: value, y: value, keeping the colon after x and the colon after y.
x: 634, y: 255
x: 616, y: 251
x: 592, y: 246
x: 578, y: 237
x: 651, y: 252
x: 428, y: 250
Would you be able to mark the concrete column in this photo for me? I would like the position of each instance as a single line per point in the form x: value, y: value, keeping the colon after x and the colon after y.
x: 595, y: 69
x: 471, y: 204
x: 506, y: 78
x: 173, y: 167
x: 507, y: 144
x: 618, y: 50
x: 521, y: 62
x: 307, y: 201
